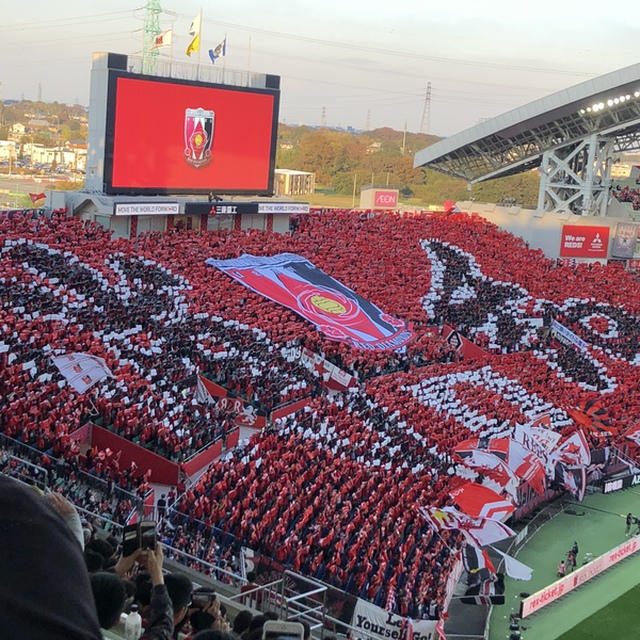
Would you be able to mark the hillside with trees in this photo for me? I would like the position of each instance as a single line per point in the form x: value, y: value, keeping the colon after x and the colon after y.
x: 378, y: 157
x: 63, y: 122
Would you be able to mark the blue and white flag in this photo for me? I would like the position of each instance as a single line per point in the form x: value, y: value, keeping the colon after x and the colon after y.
x: 219, y: 51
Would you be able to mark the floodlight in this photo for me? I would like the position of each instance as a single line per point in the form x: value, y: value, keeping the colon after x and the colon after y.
x: 610, y: 102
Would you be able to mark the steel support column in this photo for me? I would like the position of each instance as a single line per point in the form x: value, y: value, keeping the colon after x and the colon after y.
x: 577, y: 177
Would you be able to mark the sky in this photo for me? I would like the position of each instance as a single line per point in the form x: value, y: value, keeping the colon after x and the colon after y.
x: 355, y: 61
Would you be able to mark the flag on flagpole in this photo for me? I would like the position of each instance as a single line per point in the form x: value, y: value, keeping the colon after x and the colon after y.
x: 477, y: 501
x: 574, y: 451
x: 478, y: 531
x: 37, y: 196
x: 165, y: 39
x: 202, y: 394
x: 82, y: 370
x: 633, y: 434
x: 514, y: 568
x: 194, y: 32
x: 474, y: 559
x: 218, y: 52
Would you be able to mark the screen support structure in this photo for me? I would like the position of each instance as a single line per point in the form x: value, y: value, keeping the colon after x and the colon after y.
x: 576, y: 178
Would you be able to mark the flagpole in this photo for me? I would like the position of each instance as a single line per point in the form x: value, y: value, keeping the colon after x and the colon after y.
x: 200, y: 44
x: 224, y: 57
x: 171, y: 54
x: 437, y: 532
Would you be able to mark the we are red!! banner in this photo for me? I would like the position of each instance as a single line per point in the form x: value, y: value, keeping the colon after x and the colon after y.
x: 337, y: 311
x: 584, y: 241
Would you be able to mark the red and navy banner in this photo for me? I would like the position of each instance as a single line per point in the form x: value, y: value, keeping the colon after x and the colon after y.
x: 337, y: 311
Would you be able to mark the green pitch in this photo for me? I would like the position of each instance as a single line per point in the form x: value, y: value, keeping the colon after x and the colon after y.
x: 619, y: 620
x: 598, y: 525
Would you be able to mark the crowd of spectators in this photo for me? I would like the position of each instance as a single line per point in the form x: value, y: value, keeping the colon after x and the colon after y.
x: 101, y: 502
x: 55, y: 300
x: 333, y: 491
x: 627, y: 194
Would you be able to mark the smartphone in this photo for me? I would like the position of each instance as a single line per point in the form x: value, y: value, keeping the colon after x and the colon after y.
x: 130, y: 539
x: 148, y: 535
x: 276, y: 630
x: 203, y: 597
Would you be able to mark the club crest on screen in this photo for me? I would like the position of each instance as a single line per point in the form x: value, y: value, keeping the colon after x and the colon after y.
x: 198, y: 136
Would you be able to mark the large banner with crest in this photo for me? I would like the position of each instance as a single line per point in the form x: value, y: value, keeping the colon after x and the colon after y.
x: 337, y: 311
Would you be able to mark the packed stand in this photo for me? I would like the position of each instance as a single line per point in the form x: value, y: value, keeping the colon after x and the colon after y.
x: 333, y: 492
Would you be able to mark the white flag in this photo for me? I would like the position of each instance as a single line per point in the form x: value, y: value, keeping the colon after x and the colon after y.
x: 202, y: 394
x: 82, y: 370
x: 165, y: 39
x: 514, y: 568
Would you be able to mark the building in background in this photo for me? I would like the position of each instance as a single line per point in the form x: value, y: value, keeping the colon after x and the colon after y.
x: 294, y: 183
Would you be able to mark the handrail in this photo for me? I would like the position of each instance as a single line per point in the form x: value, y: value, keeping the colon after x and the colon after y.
x: 91, y: 514
x: 260, y: 587
x: 169, y: 550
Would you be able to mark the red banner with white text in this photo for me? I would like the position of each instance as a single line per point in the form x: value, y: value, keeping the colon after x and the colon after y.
x: 582, y: 241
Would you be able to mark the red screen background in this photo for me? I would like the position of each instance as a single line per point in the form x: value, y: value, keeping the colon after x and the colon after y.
x: 148, y: 148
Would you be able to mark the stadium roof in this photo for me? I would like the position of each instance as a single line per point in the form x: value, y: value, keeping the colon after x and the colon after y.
x: 515, y: 141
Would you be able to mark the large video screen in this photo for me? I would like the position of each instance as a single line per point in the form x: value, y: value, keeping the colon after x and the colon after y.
x: 169, y: 136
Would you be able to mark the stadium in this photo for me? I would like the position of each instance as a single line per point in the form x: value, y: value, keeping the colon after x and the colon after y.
x: 379, y: 422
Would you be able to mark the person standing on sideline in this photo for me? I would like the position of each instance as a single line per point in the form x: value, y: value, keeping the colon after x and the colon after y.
x: 628, y: 521
x: 562, y: 569
x: 571, y: 561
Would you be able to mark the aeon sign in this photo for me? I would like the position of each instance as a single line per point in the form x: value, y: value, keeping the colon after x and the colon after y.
x: 386, y: 199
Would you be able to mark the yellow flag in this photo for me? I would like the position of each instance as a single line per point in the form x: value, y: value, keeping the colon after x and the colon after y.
x: 194, y: 45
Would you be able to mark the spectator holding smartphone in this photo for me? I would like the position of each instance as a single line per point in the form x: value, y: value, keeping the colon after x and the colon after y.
x: 160, y: 626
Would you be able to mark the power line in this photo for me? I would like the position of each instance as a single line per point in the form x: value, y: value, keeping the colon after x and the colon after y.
x: 388, y: 52
x: 395, y: 72
x: 80, y: 20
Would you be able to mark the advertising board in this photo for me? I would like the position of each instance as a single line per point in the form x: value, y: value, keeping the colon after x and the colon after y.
x: 386, y: 199
x: 581, y: 241
x: 565, y: 585
x: 146, y: 208
x: 177, y: 136
x: 624, y: 482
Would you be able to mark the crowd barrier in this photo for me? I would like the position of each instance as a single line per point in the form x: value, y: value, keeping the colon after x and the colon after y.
x: 203, y: 458
x: 28, y: 453
x: 163, y: 471
x: 287, y: 409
